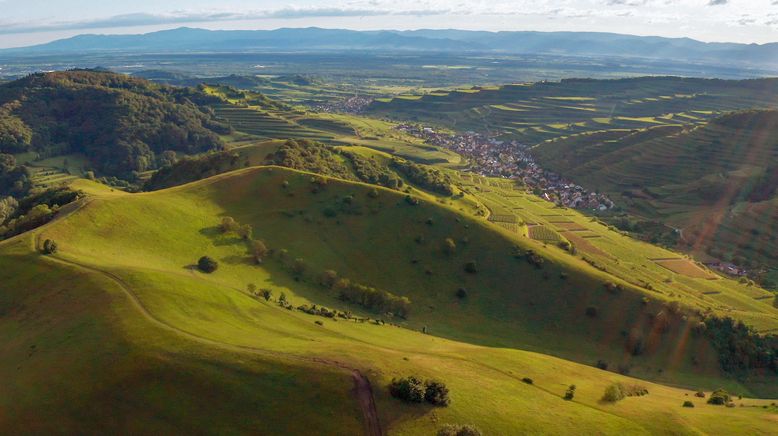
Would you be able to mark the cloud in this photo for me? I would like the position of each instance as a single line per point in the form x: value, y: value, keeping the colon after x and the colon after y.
x: 717, y: 2
x: 182, y: 17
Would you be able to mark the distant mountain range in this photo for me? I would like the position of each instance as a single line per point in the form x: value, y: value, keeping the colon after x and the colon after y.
x: 317, y: 39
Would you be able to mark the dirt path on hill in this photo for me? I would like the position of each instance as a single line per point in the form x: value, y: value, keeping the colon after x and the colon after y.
x: 363, y: 390
x: 364, y: 393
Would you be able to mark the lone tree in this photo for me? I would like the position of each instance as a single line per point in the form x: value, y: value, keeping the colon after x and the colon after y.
x: 409, y: 389
x: 207, y: 264
x: 245, y: 232
x: 228, y: 224
x: 436, y: 393
x: 49, y: 247
x: 258, y: 250
x: 298, y: 267
x: 449, y: 246
x: 267, y: 294
x: 570, y: 393
x: 329, y: 278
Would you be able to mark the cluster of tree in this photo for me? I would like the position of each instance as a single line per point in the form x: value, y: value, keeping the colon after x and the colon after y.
x: 310, y: 156
x: 120, y: 123
x: 371, y: 171
x: 428, y: 178
x: 740, y: 347
x: 32, y: 211
x: 373, y: 299
x: 190, y: 169
x: 14, y: 178
x: 413, y: 390
x: 617, y: 392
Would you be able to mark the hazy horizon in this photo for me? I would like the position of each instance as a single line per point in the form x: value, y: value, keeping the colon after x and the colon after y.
x: 741, y: 21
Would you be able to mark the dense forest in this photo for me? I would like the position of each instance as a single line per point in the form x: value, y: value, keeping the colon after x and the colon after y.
x: 122, y: 124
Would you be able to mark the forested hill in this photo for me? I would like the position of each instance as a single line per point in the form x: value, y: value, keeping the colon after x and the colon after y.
x: 121, y: 124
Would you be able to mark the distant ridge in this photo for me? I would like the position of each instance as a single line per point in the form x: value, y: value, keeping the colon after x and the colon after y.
x: 318, y: 39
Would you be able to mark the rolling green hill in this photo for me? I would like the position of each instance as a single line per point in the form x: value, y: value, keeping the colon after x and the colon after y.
x: 146, y: 343
x: 716, y: 182
x: 531, y: 113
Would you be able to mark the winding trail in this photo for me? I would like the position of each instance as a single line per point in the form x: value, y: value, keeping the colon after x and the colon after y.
x: 363, y: 390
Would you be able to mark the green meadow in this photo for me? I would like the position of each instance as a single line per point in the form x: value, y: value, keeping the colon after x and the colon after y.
x: 145, y: 343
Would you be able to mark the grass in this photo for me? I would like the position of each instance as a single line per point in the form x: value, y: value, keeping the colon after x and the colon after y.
x: 208, y: 357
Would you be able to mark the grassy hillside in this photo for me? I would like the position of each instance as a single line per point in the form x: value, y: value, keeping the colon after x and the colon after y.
x: 156, y: 336
x: 717, y: 182
x: 531, y: 113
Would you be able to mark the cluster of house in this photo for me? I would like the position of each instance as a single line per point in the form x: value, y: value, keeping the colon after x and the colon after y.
x: 351, y: 105
x: 728, y: 268
x: 509, y: 159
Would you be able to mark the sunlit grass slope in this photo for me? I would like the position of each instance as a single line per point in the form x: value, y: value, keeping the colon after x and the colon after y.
x: 145, y: 343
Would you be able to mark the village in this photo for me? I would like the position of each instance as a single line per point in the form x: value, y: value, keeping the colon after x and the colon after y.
x: 509, y: 159
x: 351, y: 105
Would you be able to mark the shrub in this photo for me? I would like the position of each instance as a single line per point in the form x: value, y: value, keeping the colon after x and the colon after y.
x: 412, y: 390
x: 459, y: 430
x: 373, y: 193
x: 258, y: 250
x: 461, y: 293
x: 298, y: 267
x: 228, y: 224
x: 719, y: 397
x: 245, y: 232
x: 207, y: 264
x: 471, y: 267
x: 603, y: 365
x: 409, y: 389
x: 49, y: 247
x: 267, y: 294
x: 618, y: 391
x: 613, y: 393
x: 688, y: 403
x: 449, y: 246
x: 436, y: 393
x: 328, y: 278
x: 527, y: 380
x: 570, y: 393
x: 591, y: 312
x: 700, y: 394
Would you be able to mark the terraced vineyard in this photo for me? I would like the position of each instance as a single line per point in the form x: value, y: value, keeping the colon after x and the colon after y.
x: 658, y: 270
x: 531, y: 113
x: 716, y: 183
x: 266, y: 125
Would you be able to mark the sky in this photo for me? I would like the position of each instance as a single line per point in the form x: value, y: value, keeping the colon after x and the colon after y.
x: 28, y: 22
